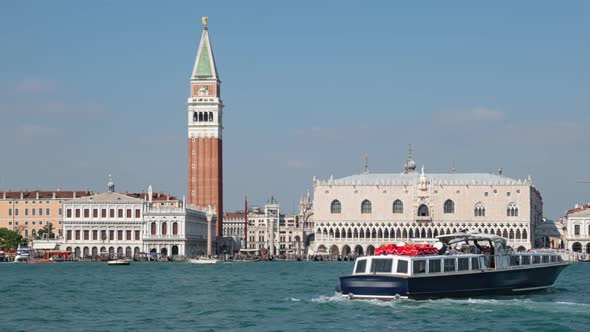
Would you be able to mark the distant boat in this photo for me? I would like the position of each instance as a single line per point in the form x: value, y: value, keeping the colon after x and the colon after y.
x: 120, y: 261
x: 203, y: 260
x: 23, y: 254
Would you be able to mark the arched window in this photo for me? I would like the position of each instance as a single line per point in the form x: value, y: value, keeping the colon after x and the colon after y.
x: 398, y: 206
x: 512, y: 210
x: 206, y: 117
x: 336, y: 207
x: 164, y: 228
x: 153, y: 228
x: 195, y: 117
x: 200, y: 116
x: 423, y: 211
x: 479, y: 210
x: 449, y: 206
x: 366, y: 206
x: 210, y: 116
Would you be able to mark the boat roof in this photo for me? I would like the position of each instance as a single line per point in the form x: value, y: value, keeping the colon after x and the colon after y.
x: 468, y: 236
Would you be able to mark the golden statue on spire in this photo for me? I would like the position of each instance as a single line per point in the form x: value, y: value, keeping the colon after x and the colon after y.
x: 204, y: 20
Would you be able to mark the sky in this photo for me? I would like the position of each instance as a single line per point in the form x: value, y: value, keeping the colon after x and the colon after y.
x: 89, y: 89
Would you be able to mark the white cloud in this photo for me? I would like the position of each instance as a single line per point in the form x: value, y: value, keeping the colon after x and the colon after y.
x: 35, y: 130
x: 295, y: 164
x: 469, y: 117
x: 35, y: 85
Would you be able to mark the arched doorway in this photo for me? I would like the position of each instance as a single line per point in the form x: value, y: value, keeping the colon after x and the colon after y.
x: 120, y: 251
x: 322, y: 249
x: 370, y: 250
x: 136, y: 252
x: 577, y: 247
x: 94, y: 251
x: 174, y: 250
x: 86, y: 252
x: 77, y: 252
x: 111, y: 250
x: 521, y: 248
x: 164, y: 251
x: 334, y: 250
x: 345, y: 250
x: 128, y: 252
x: 588, y: 248
x: 358, y: 250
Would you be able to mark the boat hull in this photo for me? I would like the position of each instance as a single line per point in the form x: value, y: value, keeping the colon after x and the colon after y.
x: 118, y: 262
x: 478, y: 283
x: 202, y: 261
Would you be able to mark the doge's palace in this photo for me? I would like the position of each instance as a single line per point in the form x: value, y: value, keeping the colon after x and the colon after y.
x: 357, y: 213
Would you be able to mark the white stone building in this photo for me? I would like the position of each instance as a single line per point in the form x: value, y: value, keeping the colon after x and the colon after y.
x: 357, y: 213
x: 119, y: 224
x: 176, y: 231
x: 578, y: 229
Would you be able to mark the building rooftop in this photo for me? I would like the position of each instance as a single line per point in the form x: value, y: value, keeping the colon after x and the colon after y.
x: 433, y: 178
x: 43, y: 194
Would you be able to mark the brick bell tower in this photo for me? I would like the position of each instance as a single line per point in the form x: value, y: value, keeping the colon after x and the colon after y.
x: 205, y: 127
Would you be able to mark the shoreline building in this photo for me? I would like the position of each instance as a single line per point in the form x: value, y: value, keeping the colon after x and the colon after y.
x: 355, y: 214
x: 205, y: 129
x: 577, y: 235
x: 27, y: 212
x: 127, y: 225
x: 268, y: 230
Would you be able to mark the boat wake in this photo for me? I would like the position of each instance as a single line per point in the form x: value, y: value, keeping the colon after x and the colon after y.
x: 474, y: 304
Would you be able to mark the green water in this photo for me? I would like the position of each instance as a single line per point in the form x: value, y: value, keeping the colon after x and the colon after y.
x: 259, y: 296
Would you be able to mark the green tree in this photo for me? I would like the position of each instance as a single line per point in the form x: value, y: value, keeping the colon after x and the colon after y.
x: 47, y: 229
x: 9, y: 239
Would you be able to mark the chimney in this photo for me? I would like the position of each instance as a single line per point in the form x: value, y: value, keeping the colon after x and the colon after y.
x: 74, y: 194
x: 37, y: 195
x: 53, y: 195
x: 4, y: 195
x: 21, y: 195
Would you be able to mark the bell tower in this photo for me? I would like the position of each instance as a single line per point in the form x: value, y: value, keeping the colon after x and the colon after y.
x: 205, y: 127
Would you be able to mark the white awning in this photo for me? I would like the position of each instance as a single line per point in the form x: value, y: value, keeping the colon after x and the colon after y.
x: 44, y: 246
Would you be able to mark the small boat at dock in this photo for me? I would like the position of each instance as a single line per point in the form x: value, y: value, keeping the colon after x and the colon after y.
x: 203, y: 260
x: 120, y: 261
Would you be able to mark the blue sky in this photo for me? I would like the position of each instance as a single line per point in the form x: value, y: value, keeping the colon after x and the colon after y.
x: 92, y: 88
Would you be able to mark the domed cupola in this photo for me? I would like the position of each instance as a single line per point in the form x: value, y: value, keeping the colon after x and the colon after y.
x: 111, y: 184
x: 409, y: 164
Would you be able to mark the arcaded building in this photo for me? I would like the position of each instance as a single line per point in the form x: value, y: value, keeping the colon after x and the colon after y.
x: 577, y: 236
x: 357, y: 213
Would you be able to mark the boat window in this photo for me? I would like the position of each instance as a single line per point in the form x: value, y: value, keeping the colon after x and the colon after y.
x: 402, y: 266
x: 381, y: 265
x: 419, y: 266
x: 545, y: 259
x: 526, y: 260
x: 434, y: 265
x: 360, y: 266
x: 514, y: 260
x: 475, y: 263
x: 536, y: 259
x: 449, y: 265
x: 463, y: 263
